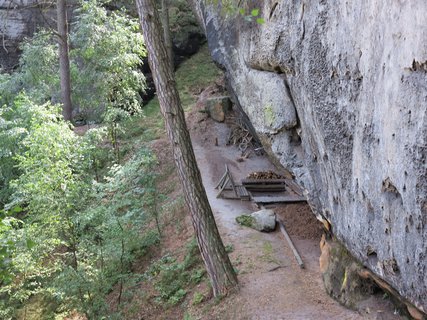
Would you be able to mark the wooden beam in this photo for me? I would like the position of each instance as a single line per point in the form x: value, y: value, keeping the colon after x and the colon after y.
x: 291, y: 244
x: 221, y: 180
x: 264, y: 181
x: 282, y: 199
x: 222, y: 187
x: 266, y: 187
x: 233, y: 185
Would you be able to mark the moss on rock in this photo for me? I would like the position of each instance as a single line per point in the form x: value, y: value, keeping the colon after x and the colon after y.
x: 246, y: 220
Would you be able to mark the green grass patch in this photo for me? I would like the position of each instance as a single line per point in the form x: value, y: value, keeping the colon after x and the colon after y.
x: 195, y: 74
x: 268, y: 253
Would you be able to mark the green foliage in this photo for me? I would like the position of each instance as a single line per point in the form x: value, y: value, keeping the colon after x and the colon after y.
x: 50, y: 186
x: 7, y: 248
x: 16, y: 122
x: 72, y: 225
x: 233, y: 8
x: 229, y: 248
x: 172, y: 278
x: 195, y: 74
x: 110, y: 237
x: 197, y: 298
x: 66, y: 235
x: 182, y: 22
x: 38, y: 75
x: 106, y: 54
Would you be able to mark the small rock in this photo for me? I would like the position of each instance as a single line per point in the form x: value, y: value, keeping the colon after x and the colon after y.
x: 217, y: 107
x: 414, y: 312
x: 263, y: 220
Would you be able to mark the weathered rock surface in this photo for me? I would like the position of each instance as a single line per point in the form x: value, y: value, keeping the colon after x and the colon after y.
x: 20, y: 19
x: 337, y: 92
x: 262, y: 220
x: 340, y: 273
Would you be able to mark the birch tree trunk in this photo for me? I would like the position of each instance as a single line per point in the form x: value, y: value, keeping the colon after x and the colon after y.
x: 218, y: 265
x: 64, y: 61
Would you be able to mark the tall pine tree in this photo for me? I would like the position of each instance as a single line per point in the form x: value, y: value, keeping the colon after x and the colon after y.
x: 218, y: 265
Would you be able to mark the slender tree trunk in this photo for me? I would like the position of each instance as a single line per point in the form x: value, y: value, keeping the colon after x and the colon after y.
x: 64, y: 61
x: 167, y: 32
x: 218, y: 265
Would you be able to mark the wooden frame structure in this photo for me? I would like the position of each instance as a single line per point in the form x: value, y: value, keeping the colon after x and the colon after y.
x: 227, y: 183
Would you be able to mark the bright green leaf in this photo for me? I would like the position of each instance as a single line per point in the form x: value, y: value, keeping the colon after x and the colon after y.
x: 255, y: 12
x: 260, y: 20
x: 30, y: 244
x: 16, y: 209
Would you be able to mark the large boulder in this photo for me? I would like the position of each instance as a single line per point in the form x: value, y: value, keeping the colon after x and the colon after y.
x: 344, y: 108
x: 263, y: 220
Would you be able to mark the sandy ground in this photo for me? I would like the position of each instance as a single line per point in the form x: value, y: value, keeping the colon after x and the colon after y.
x: 272, y: 286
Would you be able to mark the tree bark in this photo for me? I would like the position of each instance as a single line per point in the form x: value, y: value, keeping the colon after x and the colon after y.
x: 166, y: 32
x: 64, y: 61
x: 218, y: 265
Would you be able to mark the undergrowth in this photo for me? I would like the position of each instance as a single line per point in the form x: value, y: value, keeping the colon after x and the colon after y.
x: 172, y: 278
x: 83, y: 209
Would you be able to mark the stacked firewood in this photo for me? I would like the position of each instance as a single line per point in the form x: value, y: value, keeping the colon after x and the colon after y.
x: 264, y: 175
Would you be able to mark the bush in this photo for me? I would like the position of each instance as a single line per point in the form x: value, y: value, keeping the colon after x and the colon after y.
x: 64, y: 236
x: 172, y: 278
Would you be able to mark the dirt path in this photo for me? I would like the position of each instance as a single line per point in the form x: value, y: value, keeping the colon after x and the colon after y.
x: 272, y: 284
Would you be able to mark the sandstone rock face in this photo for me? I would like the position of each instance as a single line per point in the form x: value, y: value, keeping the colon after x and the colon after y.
x: 337, y: 92
x: 20, y: 19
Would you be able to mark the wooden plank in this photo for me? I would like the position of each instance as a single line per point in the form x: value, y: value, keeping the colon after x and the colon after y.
x: 221, y: 180
x: 267, y: 191
x: 224, y: 196
x: 291, y: 244
x: 266, y: 187
x: 286, y: 199
x: 243, y: 193
x: 233, y: 185
x: 221, y: 189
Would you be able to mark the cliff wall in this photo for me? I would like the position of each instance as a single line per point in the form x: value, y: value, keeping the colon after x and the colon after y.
x: 337, y: 92
x: 20, y: 19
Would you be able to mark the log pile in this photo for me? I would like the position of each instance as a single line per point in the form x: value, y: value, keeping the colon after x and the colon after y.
x: 264, y: 175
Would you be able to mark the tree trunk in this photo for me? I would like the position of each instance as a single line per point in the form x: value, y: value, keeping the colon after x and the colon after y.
x: 64, y: 61
x: 167, y: 33
x: 218, y: 265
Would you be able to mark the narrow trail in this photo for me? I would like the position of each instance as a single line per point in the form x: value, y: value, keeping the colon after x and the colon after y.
x: 272, y: 286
